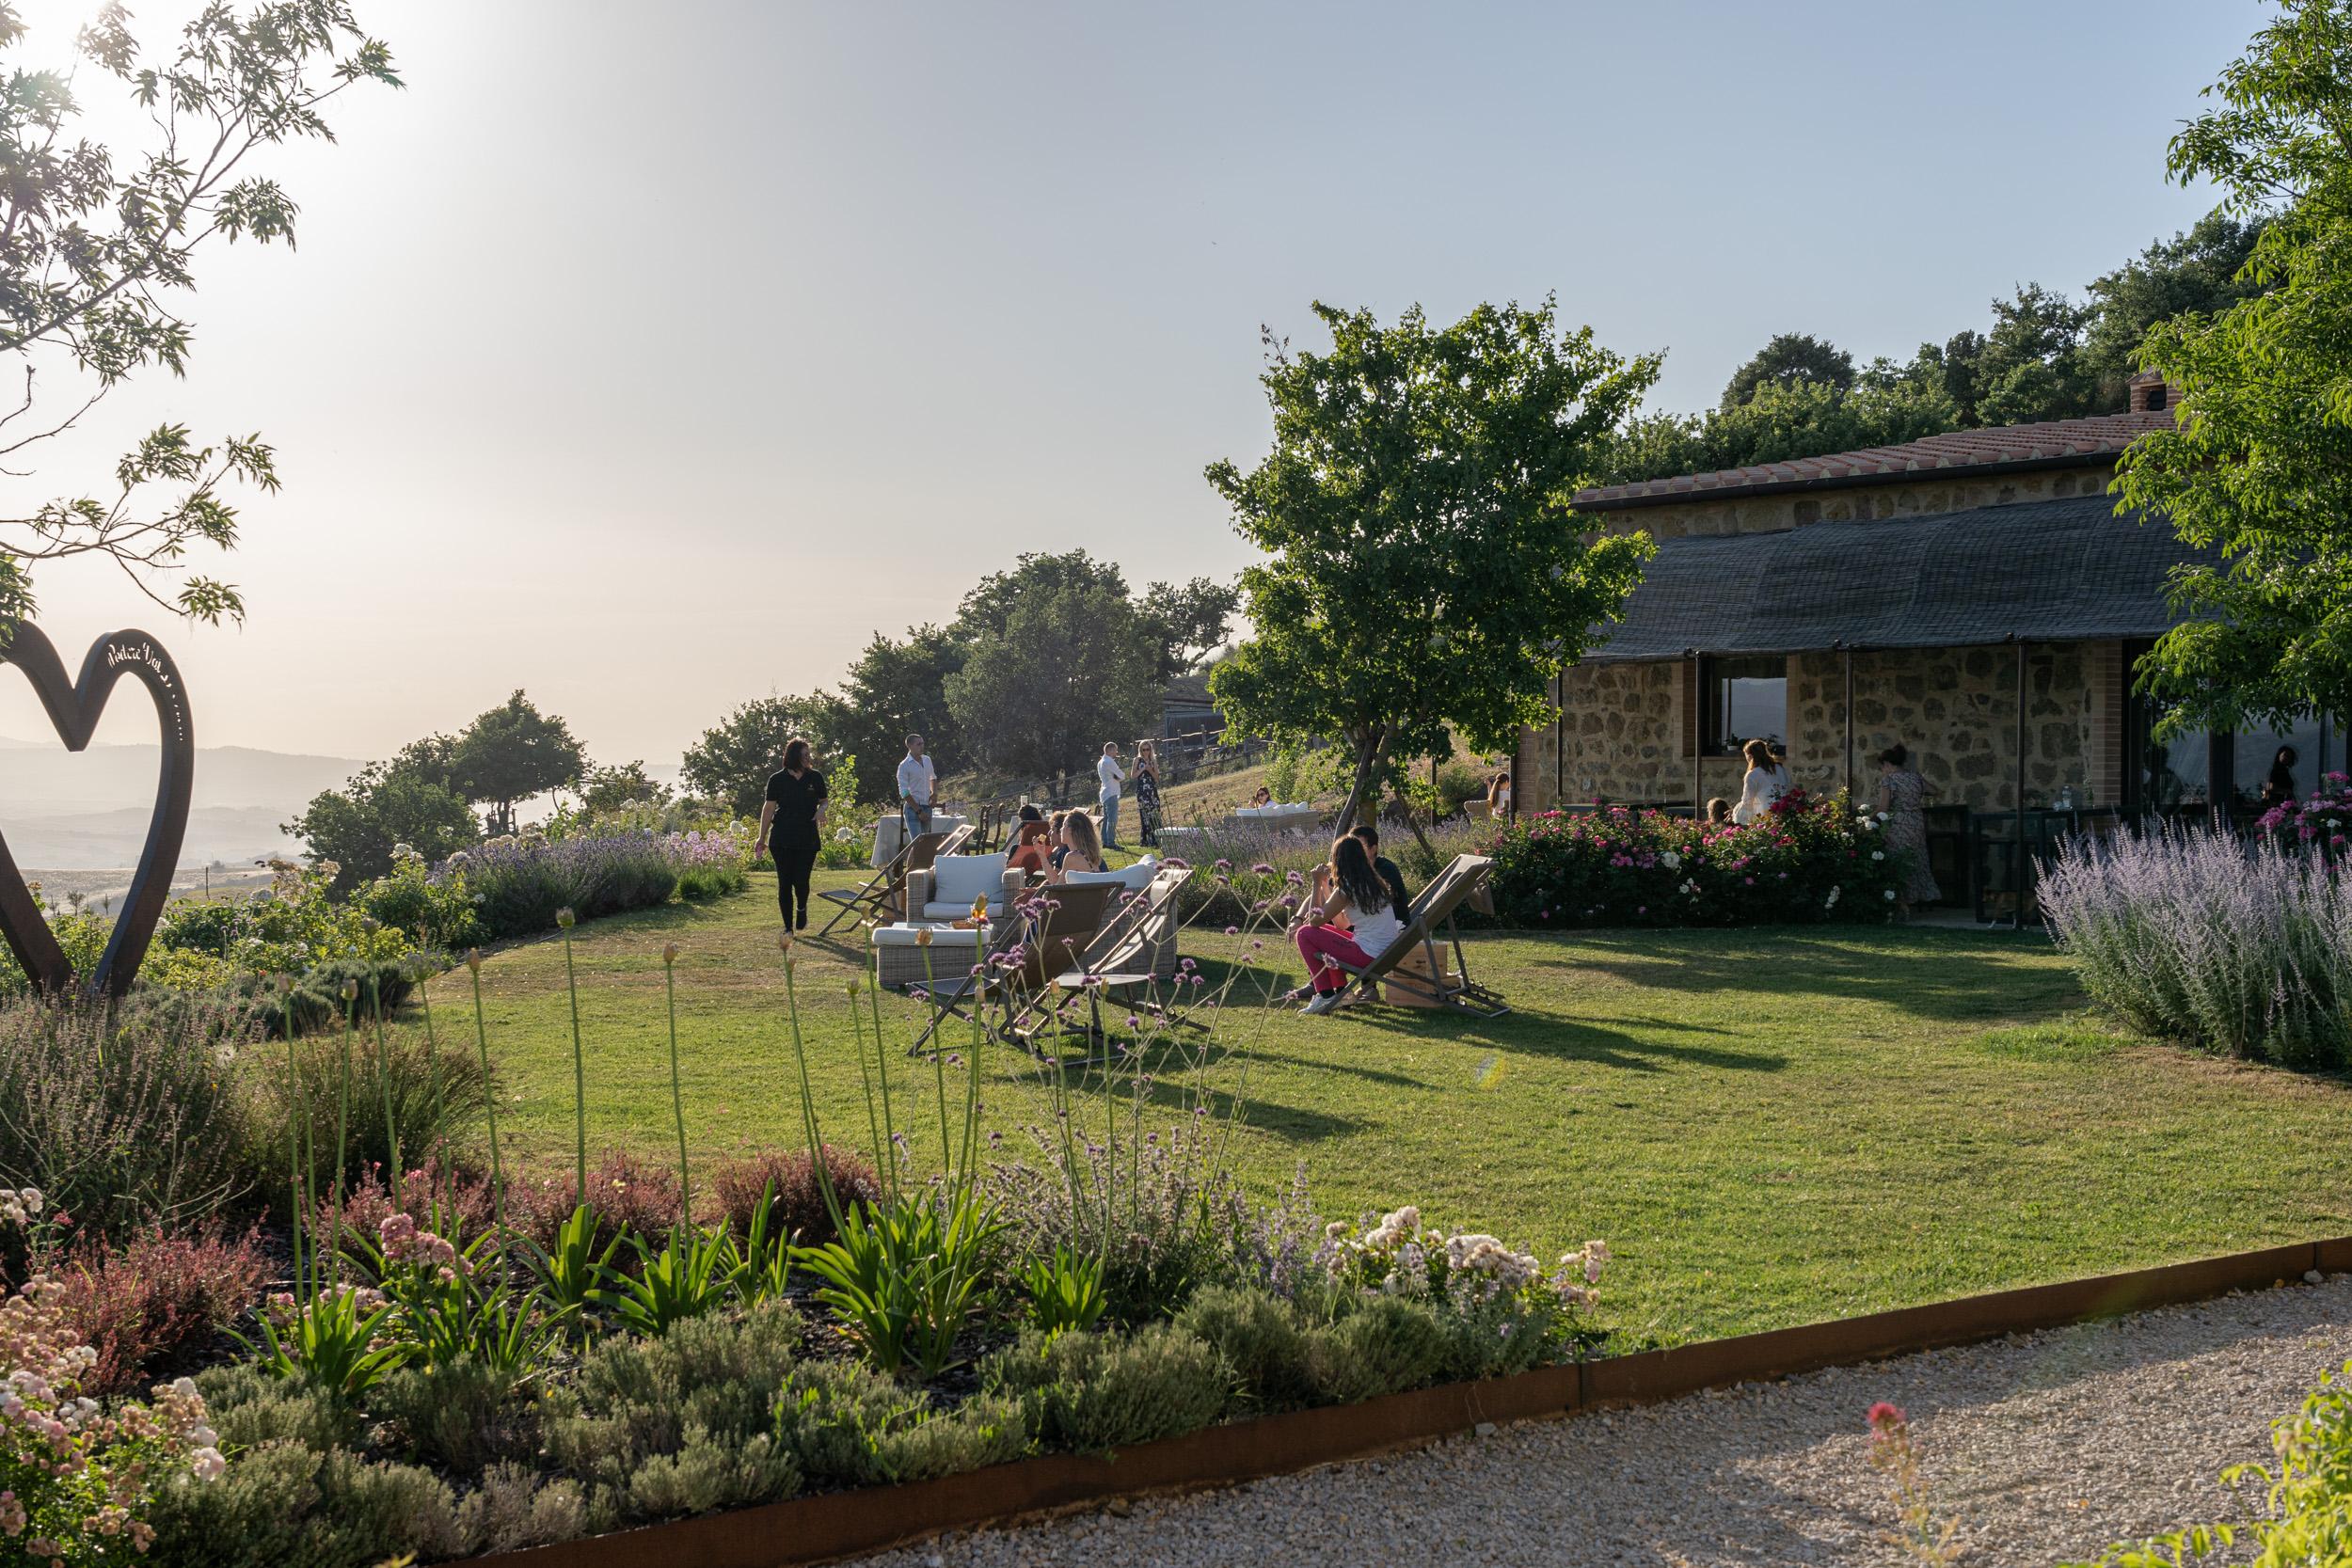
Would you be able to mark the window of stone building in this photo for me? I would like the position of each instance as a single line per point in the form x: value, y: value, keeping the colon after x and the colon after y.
x: 1742, y: 700
x: 2254, y: 751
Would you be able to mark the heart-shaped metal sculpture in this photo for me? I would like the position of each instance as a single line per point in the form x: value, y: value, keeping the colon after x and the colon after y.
x: 74, y: 710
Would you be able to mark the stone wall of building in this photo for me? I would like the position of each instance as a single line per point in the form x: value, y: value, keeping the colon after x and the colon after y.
x: 1627, y: 730
x: 1920, y: 497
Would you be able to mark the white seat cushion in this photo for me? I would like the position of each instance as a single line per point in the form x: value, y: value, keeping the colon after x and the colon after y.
x: 942, y: 936
x: 1135, y: 879
x: 939, y: 910
x: 960, y: 879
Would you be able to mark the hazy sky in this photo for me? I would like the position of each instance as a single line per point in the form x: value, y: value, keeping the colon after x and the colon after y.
x: 651, y: 357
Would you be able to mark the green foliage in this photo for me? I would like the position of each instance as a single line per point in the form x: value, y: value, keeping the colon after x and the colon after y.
x: 2259, y: 469
x: 100, y: 263
x: 1782, y: 420
x: 1188, y: 622
x: 1092, y: 1392
x: 296, y: 1507
x: 897, y: 687
x: 609, y: 789
x: 905, y: 1277
x: 1261, y: 1341
x: 848, y: 1425
x: 435, y: 914
x: 1074, y: 666
x: 681, y: 1424
x: 249, y: 1405
x: 1380, y: 1345
x: 510, y: 753
x: 435, y: 1099
x: 732, y: 759
x: 571, y: 1273
x: 1065, y: 1291
x: 695, y: 1272
x: 339, y: 1340
x: 127, y: 1116
x: 2202, y: 272
x: 357, y: 829
x: 1790, y: 359
x: 460, y: 1416
x: 1424, y: 577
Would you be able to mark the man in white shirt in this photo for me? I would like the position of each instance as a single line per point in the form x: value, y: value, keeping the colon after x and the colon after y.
x: 918, y: 778
x: 1112, y: 776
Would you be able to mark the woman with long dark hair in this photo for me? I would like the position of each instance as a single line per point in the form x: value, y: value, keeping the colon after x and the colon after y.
x: 1147, y: 782
x: 1360, y: 892
x: 792, y: 823
x: 2278, y: 788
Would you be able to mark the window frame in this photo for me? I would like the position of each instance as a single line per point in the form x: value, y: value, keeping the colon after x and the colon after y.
x: 1712, y: 705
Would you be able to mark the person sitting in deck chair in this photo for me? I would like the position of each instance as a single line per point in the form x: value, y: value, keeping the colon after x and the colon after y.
x: 1380, y: 862
x: 1374, y: 918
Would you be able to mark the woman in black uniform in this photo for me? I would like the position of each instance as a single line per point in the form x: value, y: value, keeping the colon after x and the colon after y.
x: 792, y: 822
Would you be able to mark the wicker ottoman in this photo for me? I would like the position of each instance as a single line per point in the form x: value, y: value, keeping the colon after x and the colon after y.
x: 900, y: 960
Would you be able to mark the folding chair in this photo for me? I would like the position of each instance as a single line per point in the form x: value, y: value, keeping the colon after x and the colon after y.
x: 1037, y: 941
x: 1135, y: 946
x: 881, y: 895
x: 1459, y: 883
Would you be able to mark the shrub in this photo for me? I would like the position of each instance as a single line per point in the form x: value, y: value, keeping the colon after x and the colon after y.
x: 1499, y: 1309
x: 330, y: 1508
x: 1090, y: 1392
x: 850, y: 1425
x: 1261, y: 1340
x: 125, y: 1118
x: 72, y: 1476
x: 631, y: 1197
x: 289, y: 928
x: 149, y: 1306
x: 82, y: 937
x: 797, y: 1208
x: 516, y: 1507
x: 250, y: 1405
x: 432, y: 912
x: 1380, y: 1345
x: 2188, y: 934
x: 436, y: 1095
x: 518, y: 884
x: 430, y: 1192
x: 656, y: 1427
x: 1813, y: 859
x: 460, y: 1416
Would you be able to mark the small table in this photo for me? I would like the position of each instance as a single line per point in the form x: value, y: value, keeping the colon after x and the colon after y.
x: 890, y: 835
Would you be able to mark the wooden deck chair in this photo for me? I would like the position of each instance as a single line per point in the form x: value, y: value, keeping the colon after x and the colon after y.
x: 1030, y: 946
x: 885, y: 892
x: 1138, y: 940
x: 1430, y: 984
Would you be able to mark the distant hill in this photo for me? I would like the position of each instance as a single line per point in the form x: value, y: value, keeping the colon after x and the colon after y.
x: 69, y: 811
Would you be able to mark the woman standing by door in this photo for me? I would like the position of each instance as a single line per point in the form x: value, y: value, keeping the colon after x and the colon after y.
x: 1902, y: 793
x: 791, y: 823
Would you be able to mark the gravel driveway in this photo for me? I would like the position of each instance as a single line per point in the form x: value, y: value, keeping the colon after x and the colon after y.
x: 2046, y: 1446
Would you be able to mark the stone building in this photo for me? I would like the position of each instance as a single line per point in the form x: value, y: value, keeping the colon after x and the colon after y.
x: 1837, y: 605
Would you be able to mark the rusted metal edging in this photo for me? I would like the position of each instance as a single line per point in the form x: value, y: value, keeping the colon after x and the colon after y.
x: 837, y: 1525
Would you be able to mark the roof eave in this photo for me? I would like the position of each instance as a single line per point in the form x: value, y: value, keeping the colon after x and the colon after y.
x: 1850, y: 482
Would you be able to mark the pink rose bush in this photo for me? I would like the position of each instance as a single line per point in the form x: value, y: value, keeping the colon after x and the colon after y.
x: 1813, y: 858
x: 2321, y: 820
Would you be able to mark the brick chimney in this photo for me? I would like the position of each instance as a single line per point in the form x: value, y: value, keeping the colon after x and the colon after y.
x: 2151, y: 394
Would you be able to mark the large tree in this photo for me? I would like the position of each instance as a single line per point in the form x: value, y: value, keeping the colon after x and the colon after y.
x: 1073, y: 667
x: 96, y: 251
x: 1791, y: 359
x: 1188, y: 622
x: 511, y: 754
x: 1424, y: 577
x: 386, y: 805
x: 732, y: 759
x: 2258, y: 467
x: 898, y: 687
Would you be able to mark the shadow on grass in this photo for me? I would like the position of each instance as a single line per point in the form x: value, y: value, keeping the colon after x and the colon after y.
x: 1564, y: 1039
x: 1954, y: 976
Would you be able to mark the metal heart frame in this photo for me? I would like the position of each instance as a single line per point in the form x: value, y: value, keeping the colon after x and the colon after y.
x: 74, y: 710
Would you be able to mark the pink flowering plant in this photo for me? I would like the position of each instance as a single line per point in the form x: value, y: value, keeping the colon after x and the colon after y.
x: 1813, y: 858
x: 1503, y: 1309
x: 2321, y: 820
x: 75, y: 1477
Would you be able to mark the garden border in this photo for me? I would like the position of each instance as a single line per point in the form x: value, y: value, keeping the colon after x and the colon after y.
x: 836, y: 1525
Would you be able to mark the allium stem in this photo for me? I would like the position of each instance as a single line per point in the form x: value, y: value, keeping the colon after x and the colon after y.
x: 677, y: 1099
x: 384, y: 1077
x: 579, y: 1081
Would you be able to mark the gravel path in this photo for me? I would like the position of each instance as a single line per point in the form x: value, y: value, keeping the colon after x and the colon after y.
x: 2047, y: 1447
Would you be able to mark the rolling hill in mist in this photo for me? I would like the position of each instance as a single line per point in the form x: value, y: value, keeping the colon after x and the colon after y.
x: 88, y: 811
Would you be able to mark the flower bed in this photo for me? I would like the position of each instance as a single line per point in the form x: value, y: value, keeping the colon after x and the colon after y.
x: 1812, y: 859
x: 519, y: 884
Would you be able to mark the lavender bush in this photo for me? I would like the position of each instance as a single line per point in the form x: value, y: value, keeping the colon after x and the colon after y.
x: 2191, y: 935
x: 519, y: 883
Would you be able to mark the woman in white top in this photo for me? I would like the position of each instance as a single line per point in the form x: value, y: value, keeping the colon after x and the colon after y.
x: 1358, y: 892
x: 1766, y: 782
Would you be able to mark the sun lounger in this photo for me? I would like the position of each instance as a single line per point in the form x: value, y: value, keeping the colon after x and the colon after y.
x: 1429, y: 984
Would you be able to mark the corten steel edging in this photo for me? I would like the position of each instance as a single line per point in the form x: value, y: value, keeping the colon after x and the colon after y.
x: 847, y: 1524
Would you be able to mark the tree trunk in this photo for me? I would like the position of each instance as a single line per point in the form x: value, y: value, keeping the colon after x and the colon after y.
x: 1370, y: 754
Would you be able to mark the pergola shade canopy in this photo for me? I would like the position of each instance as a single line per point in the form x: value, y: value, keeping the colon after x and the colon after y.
x: 2059, y: 571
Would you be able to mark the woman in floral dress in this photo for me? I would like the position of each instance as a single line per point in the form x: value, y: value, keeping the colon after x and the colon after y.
x: 1901, y: 793
x: 1147, y: 782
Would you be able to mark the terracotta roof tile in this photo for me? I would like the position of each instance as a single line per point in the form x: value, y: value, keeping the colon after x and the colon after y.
x: 2100, y: 435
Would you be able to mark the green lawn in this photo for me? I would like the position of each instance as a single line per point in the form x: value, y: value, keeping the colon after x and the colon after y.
x: 1768, y: 1127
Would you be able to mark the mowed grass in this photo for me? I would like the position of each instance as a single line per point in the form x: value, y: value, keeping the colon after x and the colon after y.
x: 1768, y: 1127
